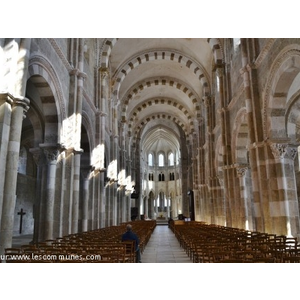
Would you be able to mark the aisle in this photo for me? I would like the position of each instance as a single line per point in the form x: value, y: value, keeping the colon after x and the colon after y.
x: 163, y: 247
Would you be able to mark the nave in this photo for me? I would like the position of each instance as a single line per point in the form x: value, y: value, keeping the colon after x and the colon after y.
x: 180, y: 242
x: 163, y: 247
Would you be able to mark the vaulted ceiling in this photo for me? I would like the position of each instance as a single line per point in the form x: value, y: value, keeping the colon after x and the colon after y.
x: 159, y: 82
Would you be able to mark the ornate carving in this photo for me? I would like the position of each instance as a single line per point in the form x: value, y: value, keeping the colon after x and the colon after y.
x: 281, y: 151
x: 241, y: 171
x: 23, y: 102
x: 51, y: 154
x: 278, y: 150
x: 220, y: 72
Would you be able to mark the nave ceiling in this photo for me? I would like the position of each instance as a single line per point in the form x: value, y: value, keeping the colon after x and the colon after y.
x: 158, y: 83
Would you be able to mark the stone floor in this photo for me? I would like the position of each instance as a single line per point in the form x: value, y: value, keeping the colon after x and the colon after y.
x: 163, y: 247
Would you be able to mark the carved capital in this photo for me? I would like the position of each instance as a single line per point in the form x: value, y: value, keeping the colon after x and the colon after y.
x: 281, y: 151
x: 220, y: 72
x: 241, y: 171
x: 51, y: 155
x: 206, y: 100
x: 23, y: 102
x: 51, y: 152
x: 104, y: 73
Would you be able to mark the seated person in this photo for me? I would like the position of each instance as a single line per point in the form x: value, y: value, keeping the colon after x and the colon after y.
x: 131, y: 236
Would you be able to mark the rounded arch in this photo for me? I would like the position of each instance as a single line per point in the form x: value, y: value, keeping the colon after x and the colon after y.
x: 161, y: 54
x: 133, y: 117
x: 139, y: 127
x: 217, y: 50
x: 284, y: 70
x: 240, y: 138
x: 106, y: 49
x: 219, y: 161
x: 43, y: 77
x: 172, y: 82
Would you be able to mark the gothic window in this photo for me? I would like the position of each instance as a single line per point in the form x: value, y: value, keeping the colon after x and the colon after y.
x: 150, y: 160
x: 171, y: 159
x: 161, y: 160
x: 150, y: 176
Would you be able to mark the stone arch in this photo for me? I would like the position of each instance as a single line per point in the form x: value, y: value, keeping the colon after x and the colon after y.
x: 135, y: 131
x: 43, y: 76
x: 219, y: 161
x: 293, y: 118
x: 160, y: 54
x: 217, y: 50
x: 155, y: 81
x: 283, y: 73
x: 146, y: 104
x: 240, y: 138
x: 105, y: 51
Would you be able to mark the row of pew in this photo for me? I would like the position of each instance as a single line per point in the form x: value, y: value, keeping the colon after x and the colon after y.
x: 102, y: 245
x: 209, y: 243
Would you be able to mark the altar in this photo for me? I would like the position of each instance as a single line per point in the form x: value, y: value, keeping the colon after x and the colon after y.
x: 161, y: 216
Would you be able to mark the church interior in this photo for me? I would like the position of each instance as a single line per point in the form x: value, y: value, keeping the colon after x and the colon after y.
x: 97, y: 132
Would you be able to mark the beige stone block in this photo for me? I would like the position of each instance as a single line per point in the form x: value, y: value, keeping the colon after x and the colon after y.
x: 256, y: 207
x: 277, y: 209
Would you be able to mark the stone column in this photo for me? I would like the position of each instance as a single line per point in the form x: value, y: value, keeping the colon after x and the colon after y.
x: 257, y: 147
x: 37, y: 156
x: 6, y: 103
x: 51, y: 153
x: 76, y: 184
x: 85, y: 200
x: 228, y: 170
x: 19, y: 108
x: 243, y: 216
x: 285, y: 211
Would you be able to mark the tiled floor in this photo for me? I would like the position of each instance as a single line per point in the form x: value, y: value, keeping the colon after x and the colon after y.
x: 163, y: 247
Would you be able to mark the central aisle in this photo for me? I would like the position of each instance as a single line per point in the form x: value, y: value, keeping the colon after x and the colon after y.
x: 163, y: 247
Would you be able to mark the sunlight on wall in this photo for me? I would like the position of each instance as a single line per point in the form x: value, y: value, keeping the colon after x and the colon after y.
x: 129, y: 185
x: 112, y: 170
x: 122, y: 178
x: 97, y: 159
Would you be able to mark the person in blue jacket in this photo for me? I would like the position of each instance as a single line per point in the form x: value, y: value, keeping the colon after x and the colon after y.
x: 129, y: 235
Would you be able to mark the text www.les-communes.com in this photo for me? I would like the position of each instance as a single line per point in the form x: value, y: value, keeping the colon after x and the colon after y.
x: 50, y: 257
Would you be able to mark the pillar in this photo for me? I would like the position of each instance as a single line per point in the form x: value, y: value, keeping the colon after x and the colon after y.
x: 19, y: 108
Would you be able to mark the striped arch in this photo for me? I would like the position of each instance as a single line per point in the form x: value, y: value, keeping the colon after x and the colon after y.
x: 219, y: 161
x: 42, y: 75
x: 168, y: 55
x: 135, y: 131
x: 160, y: 81
x: 217, y: 50
x: 37, y: 124
x: 293, y: 118
x: 240, y: 138
x: 154, y: 101
x: 108, y: 44
x: 283, y: 72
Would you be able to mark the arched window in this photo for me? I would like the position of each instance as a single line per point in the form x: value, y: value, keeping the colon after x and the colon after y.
x: 161, y: 160
x: 150, y: 160
x: 171, y: 159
